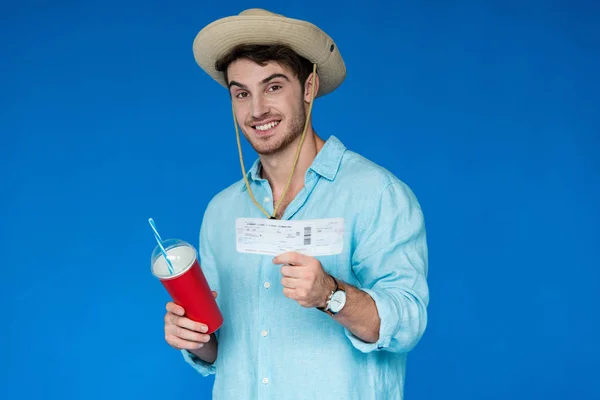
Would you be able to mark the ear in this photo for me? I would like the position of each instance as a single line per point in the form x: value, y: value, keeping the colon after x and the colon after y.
x: 308, y: 87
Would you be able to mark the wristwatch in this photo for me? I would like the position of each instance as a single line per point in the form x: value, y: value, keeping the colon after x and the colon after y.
x: 336, y: 300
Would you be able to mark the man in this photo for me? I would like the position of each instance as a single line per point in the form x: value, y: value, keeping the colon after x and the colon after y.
x: 334, y: 315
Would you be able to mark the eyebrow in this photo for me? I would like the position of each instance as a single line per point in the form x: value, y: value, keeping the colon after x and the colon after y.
x: 267, y: 79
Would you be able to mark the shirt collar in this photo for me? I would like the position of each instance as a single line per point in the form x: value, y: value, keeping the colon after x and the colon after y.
x: 326, y: 163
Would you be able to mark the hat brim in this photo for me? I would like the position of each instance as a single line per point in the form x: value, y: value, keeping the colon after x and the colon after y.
x: 221, y: 36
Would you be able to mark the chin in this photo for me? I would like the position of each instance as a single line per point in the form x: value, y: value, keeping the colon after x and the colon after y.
x: 264, y: 143
x: 271, y: 141
x: 265, y: 148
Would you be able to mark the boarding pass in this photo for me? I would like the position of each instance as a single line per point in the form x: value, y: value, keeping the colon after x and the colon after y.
x: 315, y: 237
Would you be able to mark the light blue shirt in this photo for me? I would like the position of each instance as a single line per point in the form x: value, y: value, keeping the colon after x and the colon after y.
x: 270, y: 347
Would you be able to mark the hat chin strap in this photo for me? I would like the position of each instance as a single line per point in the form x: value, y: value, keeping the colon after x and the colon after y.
x: 237, y: 133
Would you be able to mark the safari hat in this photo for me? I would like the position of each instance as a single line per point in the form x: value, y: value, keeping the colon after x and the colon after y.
x: 259, y: 26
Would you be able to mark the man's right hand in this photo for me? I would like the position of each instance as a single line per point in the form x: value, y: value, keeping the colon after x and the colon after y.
x: 183, y: 333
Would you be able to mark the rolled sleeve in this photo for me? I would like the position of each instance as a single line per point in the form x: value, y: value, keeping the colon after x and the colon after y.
x: 202, y: 367
x: 386, y: 329
x: 391, y: 262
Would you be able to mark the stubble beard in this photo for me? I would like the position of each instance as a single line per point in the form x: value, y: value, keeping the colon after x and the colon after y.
x: 279, y: 143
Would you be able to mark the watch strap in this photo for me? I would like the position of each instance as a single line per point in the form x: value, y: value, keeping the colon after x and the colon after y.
x: 326, y: 308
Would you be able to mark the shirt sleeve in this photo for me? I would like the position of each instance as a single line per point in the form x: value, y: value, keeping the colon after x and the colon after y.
x: 203, y: 368
x: 391, y: 261
x: 208, y: 266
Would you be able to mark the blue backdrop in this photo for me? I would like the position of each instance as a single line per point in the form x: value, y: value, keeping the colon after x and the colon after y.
x: 488, y: 111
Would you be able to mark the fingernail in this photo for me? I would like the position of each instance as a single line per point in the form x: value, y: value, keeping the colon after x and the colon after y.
x: 203, y: 328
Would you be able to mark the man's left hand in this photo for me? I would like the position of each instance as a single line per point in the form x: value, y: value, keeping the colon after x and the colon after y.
x: 304, y: 279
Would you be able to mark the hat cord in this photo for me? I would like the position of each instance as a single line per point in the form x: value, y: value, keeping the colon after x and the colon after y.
x: 237, y: 133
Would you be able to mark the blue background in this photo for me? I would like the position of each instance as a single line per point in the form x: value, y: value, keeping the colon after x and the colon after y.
x: 488, y: 111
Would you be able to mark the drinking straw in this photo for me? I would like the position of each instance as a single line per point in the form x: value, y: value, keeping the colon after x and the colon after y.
x: 160, y: 244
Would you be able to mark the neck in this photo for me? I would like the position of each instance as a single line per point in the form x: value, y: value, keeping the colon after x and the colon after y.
x: 276, y: 168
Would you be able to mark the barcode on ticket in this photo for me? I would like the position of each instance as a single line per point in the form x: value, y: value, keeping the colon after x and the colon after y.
x: 307, y: 235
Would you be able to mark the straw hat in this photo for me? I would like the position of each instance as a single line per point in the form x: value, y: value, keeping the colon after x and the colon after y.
x: 258, y: 26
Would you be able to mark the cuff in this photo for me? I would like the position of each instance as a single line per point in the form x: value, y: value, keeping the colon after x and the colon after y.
x: 387, y: 325
x: 202, y: 367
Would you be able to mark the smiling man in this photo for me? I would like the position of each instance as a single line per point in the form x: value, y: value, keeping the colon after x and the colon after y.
x: 318, y: 256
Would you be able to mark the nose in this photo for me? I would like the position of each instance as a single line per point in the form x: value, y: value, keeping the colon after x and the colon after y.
x: 259, y: 107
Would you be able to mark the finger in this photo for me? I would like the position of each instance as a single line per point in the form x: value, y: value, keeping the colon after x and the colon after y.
x: 180, y: 343
x: 187, y: 334
x: 292, y: 271
x: 214, y: 294
x: 175, y: 309
x: 289, y: 293
x: 291, y: 258
x: 290, y: 283
x: 187, y: 323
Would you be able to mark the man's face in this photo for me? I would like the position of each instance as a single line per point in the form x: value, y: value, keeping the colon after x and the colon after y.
x: 268, y: 103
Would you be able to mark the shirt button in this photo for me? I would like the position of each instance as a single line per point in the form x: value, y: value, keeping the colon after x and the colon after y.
x: 265, y: 380
x: 267, y: 199
x: 264, y: 333
x: 267, y: 285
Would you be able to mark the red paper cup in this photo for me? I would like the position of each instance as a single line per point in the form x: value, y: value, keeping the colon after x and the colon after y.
x: 187, y: 284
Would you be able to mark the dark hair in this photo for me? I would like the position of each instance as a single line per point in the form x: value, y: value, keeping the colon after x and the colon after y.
x: 261, y: 54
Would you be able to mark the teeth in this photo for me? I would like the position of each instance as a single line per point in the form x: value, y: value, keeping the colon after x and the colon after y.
x: 266, y: 126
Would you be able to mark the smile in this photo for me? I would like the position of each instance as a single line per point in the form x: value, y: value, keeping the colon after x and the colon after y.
x: 267, y: 126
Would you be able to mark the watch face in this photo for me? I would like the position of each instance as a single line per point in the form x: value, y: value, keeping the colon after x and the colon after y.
x: 337, y: 301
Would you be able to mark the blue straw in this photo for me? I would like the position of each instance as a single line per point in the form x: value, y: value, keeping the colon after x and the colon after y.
x: 160, y: 244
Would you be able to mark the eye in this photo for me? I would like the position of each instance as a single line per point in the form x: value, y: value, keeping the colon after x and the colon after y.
x: 274, y: 87
x: 241, y: 95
